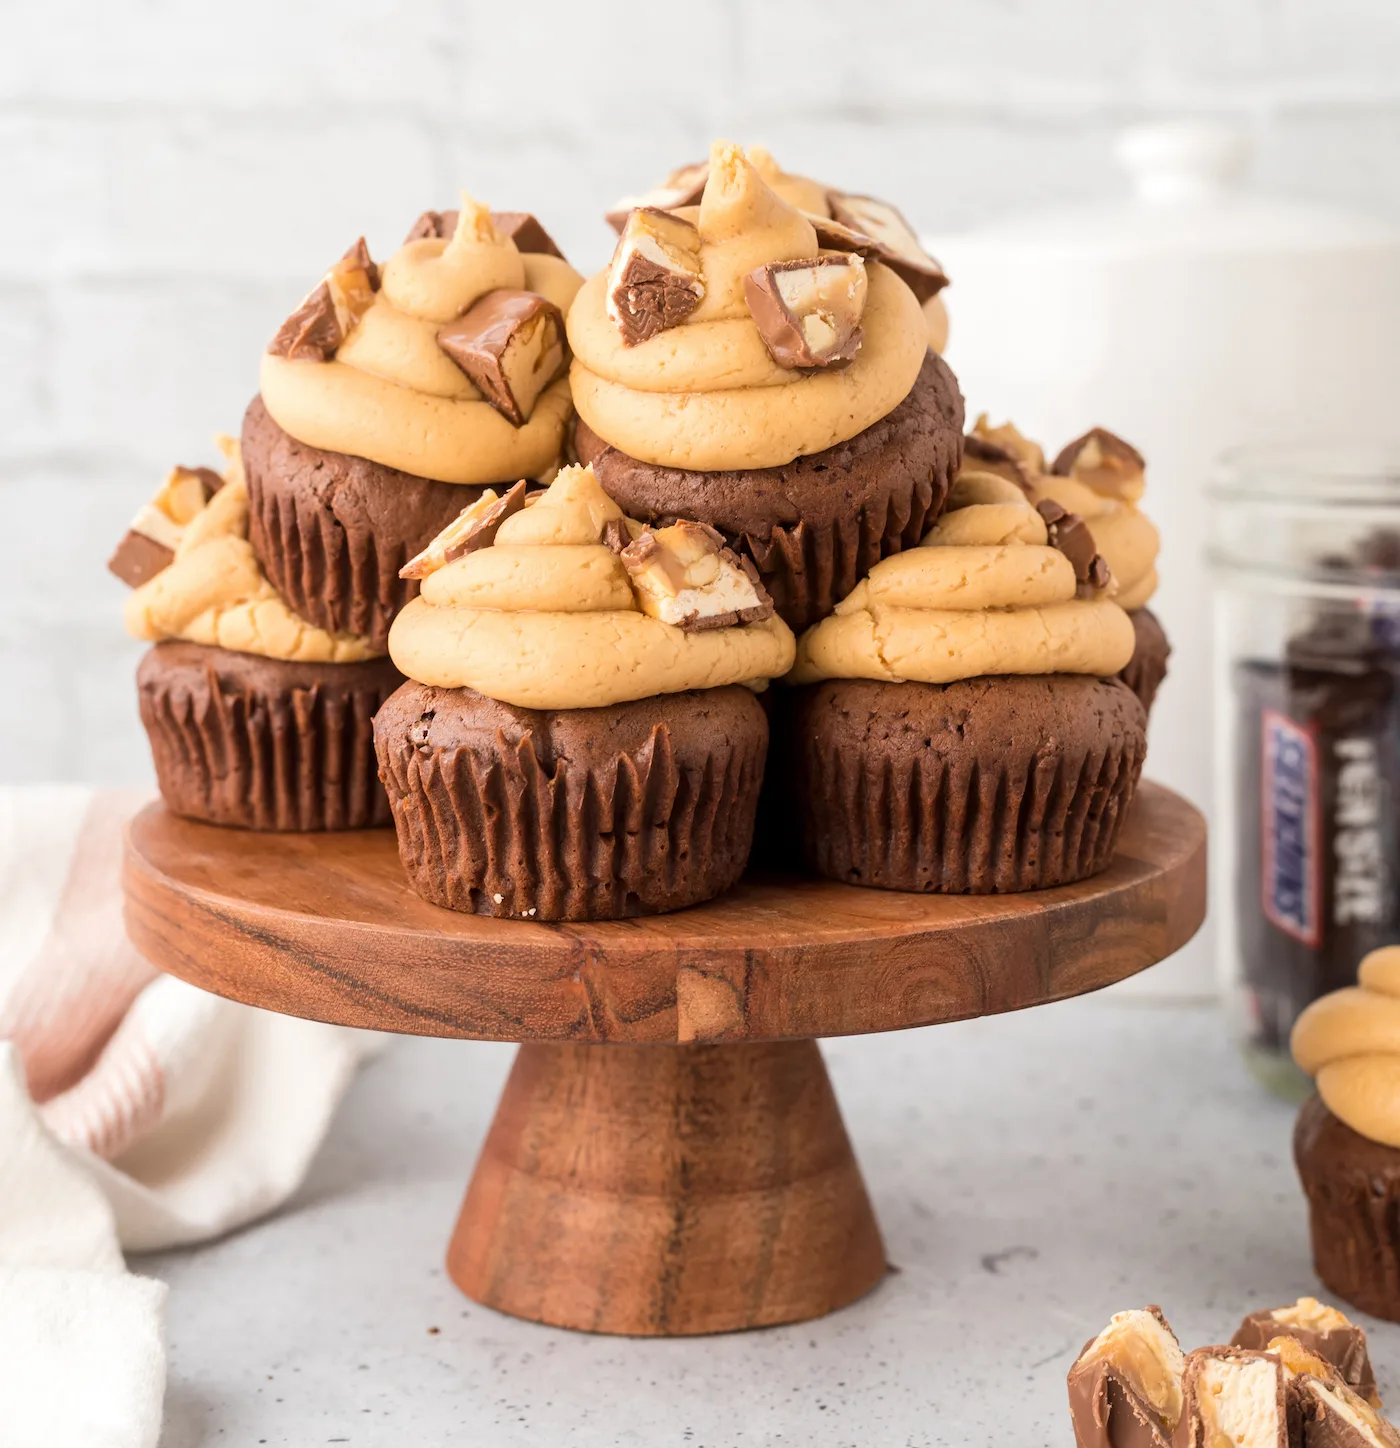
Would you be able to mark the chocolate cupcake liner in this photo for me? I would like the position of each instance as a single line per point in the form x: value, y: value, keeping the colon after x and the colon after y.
x: 1148, y: 666
x: 589, y: 814
x: 265, y: 745
x: 1353, y: 1189
x: 928, y: 807
x: 332, y: 531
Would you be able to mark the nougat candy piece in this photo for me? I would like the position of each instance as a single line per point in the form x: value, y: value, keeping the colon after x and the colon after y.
x: 686, y: 575
x: 511, y: 344
x: 901, y: 251
x: 1102, y: 461
x: 808, y: 311
x: 329, y: 311
x: 149, y: 544
x: 474, y: 527
x: 1235, y: 1396
x: 1125, y: 1388
x: 1319, y: 1329
x: 654, y: 279
x: 683, y: 187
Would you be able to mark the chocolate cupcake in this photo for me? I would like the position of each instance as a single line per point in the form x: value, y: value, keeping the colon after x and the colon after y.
x: 576, y: 743
x: 956, y: 727
x: 1347, y: 1140
x: 256, y: 718
x: 734, y: 367
x: 392, y: 396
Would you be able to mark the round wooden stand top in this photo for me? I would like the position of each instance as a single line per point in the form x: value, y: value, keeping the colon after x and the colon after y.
x: 325, y: 926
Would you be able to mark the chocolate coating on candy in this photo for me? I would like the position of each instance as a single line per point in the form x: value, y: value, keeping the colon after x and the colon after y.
x: 511, y: 344
x: 1236, y: 1396
x: 475, y: 527
x: 1125, y: 1386
x: 808, y: 311
x: 683, y: 187
x: 654, y: 277
x: 900, y: 250
x: 148, y: 546
x: 1070, y: 534
x: 1321, y: 1330
x: 327, y: 313
x: 1104, y: 462
x: 522, y: 227
x: 137, y: 558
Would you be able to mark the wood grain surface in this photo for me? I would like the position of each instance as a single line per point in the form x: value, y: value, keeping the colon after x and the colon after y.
x: 325, y: 926
x: 642, y: 1190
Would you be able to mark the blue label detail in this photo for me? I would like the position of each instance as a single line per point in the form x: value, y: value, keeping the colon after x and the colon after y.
x: 1290, y: 807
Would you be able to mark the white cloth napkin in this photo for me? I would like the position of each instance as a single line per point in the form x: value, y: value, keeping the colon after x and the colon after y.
x: 135, y: 1112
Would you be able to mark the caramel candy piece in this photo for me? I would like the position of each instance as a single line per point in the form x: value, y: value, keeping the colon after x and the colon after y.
x: 474, y: 527
x: 521, y: 227
x: 1125, y: 1387
x: 1104, y: 462
x: 1070, y: 534
x: 329, y: 312
x: 1234, y: 1396
x: 511, y: 344
x: 901, y: 251
x: 685, y: 575
x: 808, y: 311
x: 683, y: 187
x: 1318, y: 1329
x: 149, y: 544
x: 654, y: 277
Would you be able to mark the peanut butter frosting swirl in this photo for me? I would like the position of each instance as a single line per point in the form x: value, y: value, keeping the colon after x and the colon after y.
x: 566, y: 604
x: 1349, y: 1042
x: 391, y: 394
x: 706, y: 394
x: 983, y: 593
x: 214, y: 591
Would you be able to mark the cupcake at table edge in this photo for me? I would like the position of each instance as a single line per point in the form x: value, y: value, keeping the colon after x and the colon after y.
x: 1101, y: 478
x: 1347, y: 1140
x: 256, y: 718
x: 956, y: 726
x: 581, y: 738
x: 393, y: 396
x: 881, y: 228
x: 732, y: 367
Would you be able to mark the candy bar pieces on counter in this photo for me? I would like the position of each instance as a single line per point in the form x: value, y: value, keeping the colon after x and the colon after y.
x: 1320, y: 1329
x: 1323, y: 1412
x: 1125, y: 1388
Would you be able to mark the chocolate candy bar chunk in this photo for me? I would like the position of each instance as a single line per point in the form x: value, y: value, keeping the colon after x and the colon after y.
x: 511, y: 344
x: 1125, y: 1388
x: 1104, y: 462
x: 149, y: 544
x: 522, y: 228
x: 808, y: 311
x: 1234, y: 1396
x: 329, y: 312
x: 683, y: 187
x: 1321, y: 1330
x: 1070, y: 534
x: 685, y: 575
x: 474, y: 527
x: 1323, y: 1411
x: 654, y: 278
x: 901, y: 251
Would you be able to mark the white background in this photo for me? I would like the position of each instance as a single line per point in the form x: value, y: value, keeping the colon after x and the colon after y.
x: 174, y: 176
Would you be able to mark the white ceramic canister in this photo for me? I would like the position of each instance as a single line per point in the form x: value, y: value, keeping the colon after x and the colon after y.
x: 1192, y: 317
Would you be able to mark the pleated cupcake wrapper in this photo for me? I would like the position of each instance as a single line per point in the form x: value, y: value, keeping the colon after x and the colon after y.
x: 497, y: 833
x: 297, y: 759
x: 1144, y: 674
x: 1355, y: 1228
x: 341, y: 579
x: 963, y: 826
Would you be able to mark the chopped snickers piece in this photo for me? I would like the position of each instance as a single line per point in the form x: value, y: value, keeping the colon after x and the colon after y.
x: 1235, y: 1396
x: 149, y: 544
x: 474, y: 527
x: 1323, y: 1411
x: 616, y: 534
x: 883, y: 224
x: 329, y: 312
x: 520, y: 226
x: 511, y: 344
x: 990, y: 442
x: 808, y: 311
x: 683, y: 187
x: 1070, y: 534
x: 1321, y: 1330
x: 1104, y: 462
x: 685, y: 575
x: 1125, y: 1387
x: 654, y: 278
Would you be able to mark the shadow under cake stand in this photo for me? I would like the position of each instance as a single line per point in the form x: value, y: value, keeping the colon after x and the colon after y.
x: 667, y: 1156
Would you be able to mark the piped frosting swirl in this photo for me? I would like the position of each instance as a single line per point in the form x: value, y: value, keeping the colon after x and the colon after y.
x: 568, y: 605
x: 390, y: 393
x: 983, y: 593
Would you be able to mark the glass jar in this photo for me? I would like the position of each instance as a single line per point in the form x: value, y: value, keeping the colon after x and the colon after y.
x: 1305, y: 548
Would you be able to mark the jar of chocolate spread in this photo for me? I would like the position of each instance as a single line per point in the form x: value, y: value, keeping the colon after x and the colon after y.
x: 1305, y: 544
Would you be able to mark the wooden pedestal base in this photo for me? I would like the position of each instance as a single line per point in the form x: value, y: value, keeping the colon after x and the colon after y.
x: 667, y: 1190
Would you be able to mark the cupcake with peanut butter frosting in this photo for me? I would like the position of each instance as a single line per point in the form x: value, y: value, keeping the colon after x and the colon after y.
x: 393, y: 396
x: 1101, y: 478
x: 956, y: 725
x: 1347, y: 1140
x: 581, y: 738
x: 256, y: 717
x: 766, y: 372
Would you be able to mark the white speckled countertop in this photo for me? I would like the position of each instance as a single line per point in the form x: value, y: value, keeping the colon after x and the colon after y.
x: 1033, y: 1173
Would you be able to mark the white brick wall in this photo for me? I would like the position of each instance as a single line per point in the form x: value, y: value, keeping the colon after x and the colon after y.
x: 174, y: 175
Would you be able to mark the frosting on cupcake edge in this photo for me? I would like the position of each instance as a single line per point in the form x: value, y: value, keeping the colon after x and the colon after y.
x: 564, y: 603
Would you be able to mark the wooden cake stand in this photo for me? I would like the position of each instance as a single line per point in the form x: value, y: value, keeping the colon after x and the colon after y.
x: 693, y: 1176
